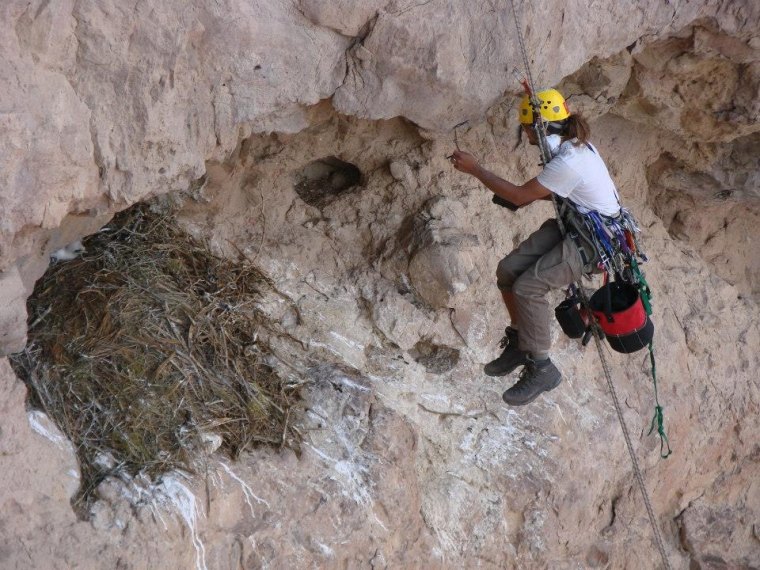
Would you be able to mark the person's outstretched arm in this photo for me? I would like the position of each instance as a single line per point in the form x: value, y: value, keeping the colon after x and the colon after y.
x: 520, y: 196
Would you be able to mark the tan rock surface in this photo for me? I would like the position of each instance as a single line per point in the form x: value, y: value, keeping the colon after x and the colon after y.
x: 410, y: 460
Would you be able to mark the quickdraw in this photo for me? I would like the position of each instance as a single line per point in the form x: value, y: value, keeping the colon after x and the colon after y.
x: 616, y: 241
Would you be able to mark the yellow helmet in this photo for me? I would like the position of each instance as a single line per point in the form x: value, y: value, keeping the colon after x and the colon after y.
x: 553, y: 107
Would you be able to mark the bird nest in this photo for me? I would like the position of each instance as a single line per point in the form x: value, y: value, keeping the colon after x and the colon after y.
x: 146, y: 351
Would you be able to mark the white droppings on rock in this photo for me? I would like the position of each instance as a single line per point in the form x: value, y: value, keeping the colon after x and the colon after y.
x: 247, y: 491
x: 173, y: 494
x: 349, y: 343
x: 351, y: 384
x: 326, y: 550
x: 354, y: 478
x: 379, y: 522
x: 351, y: 477
x: 352, y: 359
x: 169, y: 496
x: 41, y: 423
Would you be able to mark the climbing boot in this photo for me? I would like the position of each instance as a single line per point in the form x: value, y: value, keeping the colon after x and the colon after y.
x: 510, y: 358
x: 535, y: 378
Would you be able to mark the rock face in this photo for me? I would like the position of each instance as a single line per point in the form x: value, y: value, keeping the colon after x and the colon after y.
x: 312, y: 138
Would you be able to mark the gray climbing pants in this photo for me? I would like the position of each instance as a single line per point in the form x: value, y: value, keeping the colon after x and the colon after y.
x: 541, y: 263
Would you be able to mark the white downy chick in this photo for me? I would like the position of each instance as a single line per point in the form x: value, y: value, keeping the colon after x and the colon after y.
x: 71, y: 251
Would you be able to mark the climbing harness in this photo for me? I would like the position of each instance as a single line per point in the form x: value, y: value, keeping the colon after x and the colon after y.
x: 624, y: 233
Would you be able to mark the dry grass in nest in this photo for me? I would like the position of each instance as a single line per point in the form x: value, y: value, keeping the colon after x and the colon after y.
x: 145, y: 344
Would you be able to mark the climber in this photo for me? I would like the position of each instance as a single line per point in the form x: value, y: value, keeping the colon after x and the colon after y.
x: 578, y: 177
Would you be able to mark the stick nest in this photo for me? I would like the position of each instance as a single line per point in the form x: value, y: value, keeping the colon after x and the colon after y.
x: 145, y: 349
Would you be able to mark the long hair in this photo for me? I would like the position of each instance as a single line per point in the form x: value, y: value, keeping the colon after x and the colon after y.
x: 573, y: 127
x: 576, y: 127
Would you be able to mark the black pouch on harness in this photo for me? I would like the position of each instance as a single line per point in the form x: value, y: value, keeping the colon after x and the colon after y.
x: 571, y: 318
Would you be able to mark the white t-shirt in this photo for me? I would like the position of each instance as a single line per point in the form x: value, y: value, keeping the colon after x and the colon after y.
x: 579, y: 173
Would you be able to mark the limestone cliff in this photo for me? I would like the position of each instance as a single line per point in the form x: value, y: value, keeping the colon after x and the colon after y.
x: 311, y: 136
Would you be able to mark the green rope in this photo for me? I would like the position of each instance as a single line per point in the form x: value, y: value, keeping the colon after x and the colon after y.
x: 644, y: 291
x: 658, y: 420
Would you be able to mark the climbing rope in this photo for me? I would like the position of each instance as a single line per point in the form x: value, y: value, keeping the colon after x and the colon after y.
x: 546, y: 154
x: 545, y: 158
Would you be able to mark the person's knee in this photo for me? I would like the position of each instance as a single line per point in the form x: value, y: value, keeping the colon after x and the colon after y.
x: 519, y: 289
x: 506, y: 275
x: 527, y: 286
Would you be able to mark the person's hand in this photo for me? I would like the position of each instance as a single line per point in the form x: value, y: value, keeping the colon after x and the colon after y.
x: 464, y: 161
